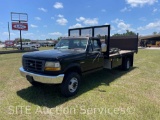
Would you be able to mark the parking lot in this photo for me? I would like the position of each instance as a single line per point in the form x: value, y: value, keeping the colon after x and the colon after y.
x: 1, y: 45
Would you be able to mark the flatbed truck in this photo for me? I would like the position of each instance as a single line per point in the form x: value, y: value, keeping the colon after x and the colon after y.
x: 85, y: 50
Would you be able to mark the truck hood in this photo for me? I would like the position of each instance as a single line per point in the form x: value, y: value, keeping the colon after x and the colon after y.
x: 52, y: 54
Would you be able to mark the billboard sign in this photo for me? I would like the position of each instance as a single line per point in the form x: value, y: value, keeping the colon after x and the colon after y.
x: 19, y: 26
x: 9, y: 43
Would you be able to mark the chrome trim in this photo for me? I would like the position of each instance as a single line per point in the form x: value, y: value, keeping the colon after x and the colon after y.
x: 43, y: 78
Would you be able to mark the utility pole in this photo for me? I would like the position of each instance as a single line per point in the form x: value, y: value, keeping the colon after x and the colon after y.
x: 9, y: 31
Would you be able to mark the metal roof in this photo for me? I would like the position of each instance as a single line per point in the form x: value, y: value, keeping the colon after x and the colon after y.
x: 149, y: 36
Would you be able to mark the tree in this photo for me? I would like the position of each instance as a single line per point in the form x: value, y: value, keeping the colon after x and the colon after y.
x: 101, y: 37
x: 59, y: 38
x: 155, y: 33
x: 0, y: 41
x: 117, y: 34
x: 26, y: 40
x: 128, y: 33
x: 23, y: 40
x: 49, y: 39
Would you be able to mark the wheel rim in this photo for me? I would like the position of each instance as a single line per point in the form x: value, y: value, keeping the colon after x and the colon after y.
x: 128, y: 64
x: 73, y: 84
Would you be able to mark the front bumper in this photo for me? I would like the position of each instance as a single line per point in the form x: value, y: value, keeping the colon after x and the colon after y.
x: 42, y: 78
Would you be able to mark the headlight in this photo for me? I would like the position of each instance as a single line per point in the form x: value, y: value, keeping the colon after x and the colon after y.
x: 52, y: 66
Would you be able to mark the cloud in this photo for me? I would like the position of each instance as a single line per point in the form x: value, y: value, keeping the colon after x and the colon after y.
x: 61, y: 20
x: 152, y: 25
x: 121, y: 25
x: 6, y: 33
x: 113, y: 28
x: 42, y: 35
x: 34, y: 26
x: 125, y: 9
x: 42, y: 9
x: 61, y: 16
x: 58, y: 5
x: 93, y: 21
x: 136, y: 3
x: 155, y: 10
x: 28, y: 34
x: 55, y: 33
x: 37, y: 18
x: 80, y: 19
x: 78, y: 25
x: 88, y: 21
x: 116, y: 21
x: 107, y: 24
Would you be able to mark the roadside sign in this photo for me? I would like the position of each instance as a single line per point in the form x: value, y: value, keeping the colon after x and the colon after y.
x: 9, y: 43
x: 19, y: 26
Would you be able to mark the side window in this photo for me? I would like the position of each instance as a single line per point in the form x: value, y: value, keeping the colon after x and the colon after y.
x: 90, y: 49
x: 76, y: 43
x: 96, y: 45
x: 64, y: 43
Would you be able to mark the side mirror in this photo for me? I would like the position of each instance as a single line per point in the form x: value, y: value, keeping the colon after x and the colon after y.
x: 103, y: 47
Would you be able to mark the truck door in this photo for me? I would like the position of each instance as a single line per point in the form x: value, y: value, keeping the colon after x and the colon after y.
x: 94, y: 56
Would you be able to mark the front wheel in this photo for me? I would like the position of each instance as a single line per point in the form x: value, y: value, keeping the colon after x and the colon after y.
x: 70, y: 84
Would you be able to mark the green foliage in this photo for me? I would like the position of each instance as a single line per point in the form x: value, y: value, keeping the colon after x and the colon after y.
x: 128, y: 33
x: 49, y: 39
x: 23, y: 40
x: 156, y: 33
x: 101, y: 37
x: 59, y: 38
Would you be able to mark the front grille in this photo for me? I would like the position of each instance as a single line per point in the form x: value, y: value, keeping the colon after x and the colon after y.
x: 33, y: 65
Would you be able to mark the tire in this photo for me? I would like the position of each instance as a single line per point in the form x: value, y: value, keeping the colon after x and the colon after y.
x: 70, y: 84
x: 126, y: 65
x: 35, y: 84
x: 32, y: 82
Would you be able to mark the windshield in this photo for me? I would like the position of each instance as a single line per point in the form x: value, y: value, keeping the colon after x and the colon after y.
x: 79, y: 44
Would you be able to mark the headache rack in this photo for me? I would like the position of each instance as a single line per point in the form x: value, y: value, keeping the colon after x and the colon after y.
x: 103, y: 32
x: 93, y: 31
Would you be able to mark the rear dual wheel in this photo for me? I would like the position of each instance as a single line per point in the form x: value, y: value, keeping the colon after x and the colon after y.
x: 126, y: 65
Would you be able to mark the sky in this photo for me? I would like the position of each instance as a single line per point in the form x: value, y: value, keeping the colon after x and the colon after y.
x: 52, y: 18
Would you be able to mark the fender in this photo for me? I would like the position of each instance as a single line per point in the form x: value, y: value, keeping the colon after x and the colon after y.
x: 73, y: 65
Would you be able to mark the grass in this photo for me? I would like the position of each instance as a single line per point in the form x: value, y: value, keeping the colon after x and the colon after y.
x: 107, y: 94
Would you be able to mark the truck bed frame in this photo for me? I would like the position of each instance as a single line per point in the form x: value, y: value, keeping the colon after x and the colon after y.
x: 127, y: 45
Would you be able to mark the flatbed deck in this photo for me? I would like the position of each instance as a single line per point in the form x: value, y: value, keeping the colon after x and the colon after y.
x: 121, y: 53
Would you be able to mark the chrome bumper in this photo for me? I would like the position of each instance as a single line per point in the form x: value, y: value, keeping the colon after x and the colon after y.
x: 43, y: 78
